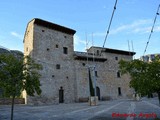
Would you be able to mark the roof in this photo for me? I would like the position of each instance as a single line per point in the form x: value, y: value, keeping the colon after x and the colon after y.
x: 54, y: 26
x: 119, y: 51
x: 109, y: 50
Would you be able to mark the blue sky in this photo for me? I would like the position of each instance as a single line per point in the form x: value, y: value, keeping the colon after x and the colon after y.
x: 132, y: 21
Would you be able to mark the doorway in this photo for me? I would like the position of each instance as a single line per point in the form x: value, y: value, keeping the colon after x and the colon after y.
x: 61, y: 95
x: 98, y: 93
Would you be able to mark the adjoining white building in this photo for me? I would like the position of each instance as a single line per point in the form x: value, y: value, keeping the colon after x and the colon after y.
x: 65, y: 71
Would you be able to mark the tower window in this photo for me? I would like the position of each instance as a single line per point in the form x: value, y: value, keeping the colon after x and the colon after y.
x: 47, y: 49
x: 58, y: 66
x: 42, y: 30
x: 119, y: 91
x: 96, y: 74
x: 118, y: 74
x: 65, y: 50
x: 116, y: 58
x: 56, y: 45
x: 83, y: 64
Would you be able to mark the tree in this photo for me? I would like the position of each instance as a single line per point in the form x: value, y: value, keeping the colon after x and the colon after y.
x: 145, y: 76
x: 18, y: 74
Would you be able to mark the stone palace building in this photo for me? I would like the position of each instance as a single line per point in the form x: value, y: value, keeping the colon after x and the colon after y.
x: 65, y: 75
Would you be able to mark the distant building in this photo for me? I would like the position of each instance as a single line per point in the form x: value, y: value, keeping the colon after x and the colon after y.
x: 149, y: 57
x: 65, y: 71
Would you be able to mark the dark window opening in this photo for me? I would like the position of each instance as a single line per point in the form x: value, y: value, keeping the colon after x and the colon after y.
x: 83, y: 64
x: 42, y: 30
x: 97, y: 52
x: 116, y: 58
x: 119, y: 91
x: 96, y: 74
x: 65, y: 50
x: 52, y: 75
x: 61, y: 95
x: 65, y: 36
x: 58, y: 66
x: 27, y: 49
x: 118, y: 74
x: 56, y: 45
x: 47, y: 49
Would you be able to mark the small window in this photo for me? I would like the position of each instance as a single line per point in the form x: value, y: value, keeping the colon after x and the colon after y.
x: 56, y: 45
x: 65, y: 50
x: 47, y: 49
x: 58, y: 66
x: 83, y: 64
x: 42, y: 30
x: 96, y: 74
x: 118, y: 74
x: 152, y: 57
x: 65, y: 36
x: 116, y: 58
x: 97, y: 52
x: 119, y: 91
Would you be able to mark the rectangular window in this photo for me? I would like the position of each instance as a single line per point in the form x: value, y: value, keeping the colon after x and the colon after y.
x: 97, y: 52
x: 58, y: 66
x: 56, y: 45
x: 119, y: 91
x: 65, y: 50
x: 118, y: 74
x: 96, y: 74
x: 116, y: 58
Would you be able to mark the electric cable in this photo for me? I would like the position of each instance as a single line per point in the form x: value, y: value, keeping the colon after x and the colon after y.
x: 151, y: 30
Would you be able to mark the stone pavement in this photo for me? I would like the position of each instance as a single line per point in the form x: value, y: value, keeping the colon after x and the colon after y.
x: 146, y: 109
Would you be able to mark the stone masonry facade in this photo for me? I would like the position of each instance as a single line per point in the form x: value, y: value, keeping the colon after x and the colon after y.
x: 65, y: 75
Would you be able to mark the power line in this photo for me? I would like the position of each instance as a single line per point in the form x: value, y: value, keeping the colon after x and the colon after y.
x: 110, y: 23
x: 151, y: 30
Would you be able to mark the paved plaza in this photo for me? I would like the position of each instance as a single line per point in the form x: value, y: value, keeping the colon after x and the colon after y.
x: 145, y: 109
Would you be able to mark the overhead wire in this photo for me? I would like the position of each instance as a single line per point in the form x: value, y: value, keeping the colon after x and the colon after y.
x: 110, y: 23
x: 151, y: 30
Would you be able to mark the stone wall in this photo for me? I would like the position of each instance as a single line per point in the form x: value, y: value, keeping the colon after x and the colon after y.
x: 107, y: 80
x: 61, y: 70
x: 48, y: 50
x: 8, y: 101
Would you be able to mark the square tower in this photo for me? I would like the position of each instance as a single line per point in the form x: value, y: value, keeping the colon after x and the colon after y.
x: 51, y: 45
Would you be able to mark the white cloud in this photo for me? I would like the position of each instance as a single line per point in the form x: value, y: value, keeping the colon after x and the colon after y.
x: 142, y: 30
x: 79, y: 44
x: 78, y: 41
x: 138, y: 26
x: 15, y: 34
x: 157, y: 29
x: 99, y: 34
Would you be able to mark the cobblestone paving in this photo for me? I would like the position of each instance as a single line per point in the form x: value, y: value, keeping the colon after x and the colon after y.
x: 146, y: 109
